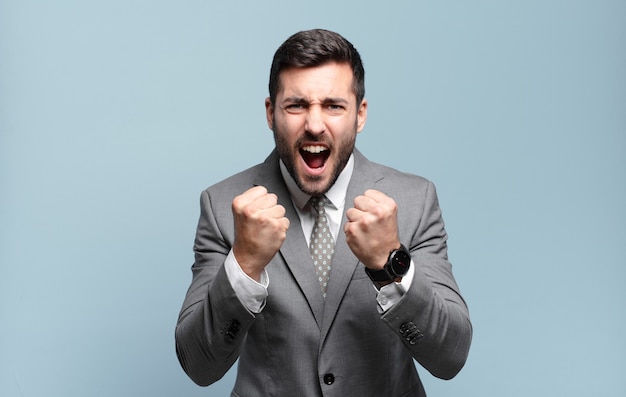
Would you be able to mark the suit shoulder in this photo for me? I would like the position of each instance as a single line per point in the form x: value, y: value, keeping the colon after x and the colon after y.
x: 393, y: 175
x: 242, y: 178
x: 247, y: 178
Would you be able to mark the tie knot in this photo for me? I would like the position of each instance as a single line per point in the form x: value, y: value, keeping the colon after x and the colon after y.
x: 318, y: 202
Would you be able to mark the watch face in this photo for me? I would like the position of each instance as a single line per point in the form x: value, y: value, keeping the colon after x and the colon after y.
x: 400, y: 263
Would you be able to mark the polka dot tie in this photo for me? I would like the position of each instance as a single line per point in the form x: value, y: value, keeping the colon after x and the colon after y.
x: 322, y: 244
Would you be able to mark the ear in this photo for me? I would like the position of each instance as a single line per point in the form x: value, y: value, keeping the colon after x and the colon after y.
x: 361, y: 116
x: 269, y: 113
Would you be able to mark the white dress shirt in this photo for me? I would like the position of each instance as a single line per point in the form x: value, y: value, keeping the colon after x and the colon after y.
x: 252, y: 294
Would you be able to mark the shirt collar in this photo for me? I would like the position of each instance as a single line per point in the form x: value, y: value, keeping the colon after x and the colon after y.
x: 336, y: 194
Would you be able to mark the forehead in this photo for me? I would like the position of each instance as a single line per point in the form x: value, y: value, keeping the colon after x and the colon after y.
x: 330, y: 79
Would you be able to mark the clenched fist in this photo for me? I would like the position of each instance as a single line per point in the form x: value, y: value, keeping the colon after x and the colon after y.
x: 372, y: 228
x: 260, y: 229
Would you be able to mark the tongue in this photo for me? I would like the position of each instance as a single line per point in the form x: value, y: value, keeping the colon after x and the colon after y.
x: 314, y: 160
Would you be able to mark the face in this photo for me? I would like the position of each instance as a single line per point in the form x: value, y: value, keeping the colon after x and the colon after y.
x: 315, y: 121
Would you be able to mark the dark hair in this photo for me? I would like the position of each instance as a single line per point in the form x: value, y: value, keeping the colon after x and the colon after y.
x: 314, y: 48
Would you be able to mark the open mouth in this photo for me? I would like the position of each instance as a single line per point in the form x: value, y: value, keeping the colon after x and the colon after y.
x: 315, y: 156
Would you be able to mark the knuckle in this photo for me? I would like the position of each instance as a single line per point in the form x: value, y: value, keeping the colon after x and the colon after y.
x: 378, y: 211
x: 249, y: 212
x: 282, y: 211
x: 238, y: 208
x: 367, y: 223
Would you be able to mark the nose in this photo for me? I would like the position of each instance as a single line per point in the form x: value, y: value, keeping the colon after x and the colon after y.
x: 315, y: 124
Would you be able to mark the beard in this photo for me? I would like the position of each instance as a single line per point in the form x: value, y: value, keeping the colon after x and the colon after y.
x: 341, y: 151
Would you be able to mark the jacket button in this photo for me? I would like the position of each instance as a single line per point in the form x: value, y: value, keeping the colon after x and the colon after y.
x: 230, y: 330
x: 329, y: 379
x: 410, y: 332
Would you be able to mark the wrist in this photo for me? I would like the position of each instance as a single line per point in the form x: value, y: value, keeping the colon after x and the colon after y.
x: 396, y: 266
x: 378, y: 261
x: 248, y: 265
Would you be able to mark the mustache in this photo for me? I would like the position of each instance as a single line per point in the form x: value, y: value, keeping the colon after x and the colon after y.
x: 310, y: 138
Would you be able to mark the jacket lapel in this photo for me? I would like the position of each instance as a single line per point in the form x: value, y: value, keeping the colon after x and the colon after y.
x: 344, y: 263
x: 294, y: 250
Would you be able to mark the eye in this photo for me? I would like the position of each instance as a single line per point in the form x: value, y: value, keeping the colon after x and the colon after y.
x: 294, y: 108
x: 335, y: 108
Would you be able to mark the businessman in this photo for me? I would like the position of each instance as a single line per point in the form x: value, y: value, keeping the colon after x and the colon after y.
x: 323, y: 273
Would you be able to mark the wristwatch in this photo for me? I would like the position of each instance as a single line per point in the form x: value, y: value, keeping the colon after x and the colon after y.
x: 396, y: 267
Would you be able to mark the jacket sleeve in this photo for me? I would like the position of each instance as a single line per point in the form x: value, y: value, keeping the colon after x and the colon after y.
x: 212, y: 323
x: 432, y: 319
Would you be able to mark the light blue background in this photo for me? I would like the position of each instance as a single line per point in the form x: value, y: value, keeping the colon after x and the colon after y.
x: 114, y: 115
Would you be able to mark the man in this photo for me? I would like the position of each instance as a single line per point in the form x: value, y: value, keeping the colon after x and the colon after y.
x: 345, y: 312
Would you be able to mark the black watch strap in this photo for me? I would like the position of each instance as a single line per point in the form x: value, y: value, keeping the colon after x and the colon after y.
x: 379, y: 275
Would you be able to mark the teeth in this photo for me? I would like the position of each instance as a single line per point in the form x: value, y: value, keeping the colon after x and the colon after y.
x: 314, y: 149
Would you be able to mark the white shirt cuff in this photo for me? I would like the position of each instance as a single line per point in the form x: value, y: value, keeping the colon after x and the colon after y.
x: 251, y: 294
x: 391, y: 293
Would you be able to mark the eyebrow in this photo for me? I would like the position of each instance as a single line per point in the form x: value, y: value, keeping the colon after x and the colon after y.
x: 300, y: 100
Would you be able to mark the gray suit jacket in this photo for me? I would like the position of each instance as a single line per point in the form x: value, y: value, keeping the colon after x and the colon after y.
x: 302, y: 345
